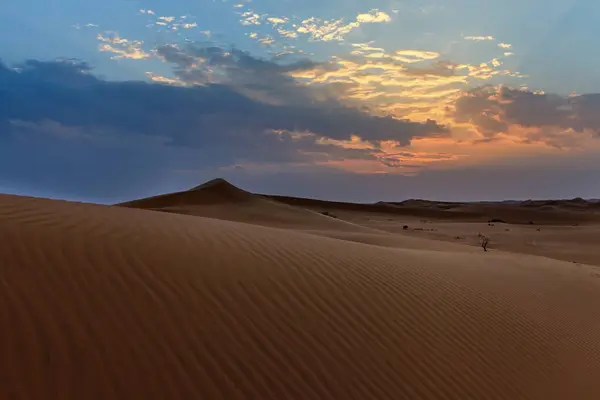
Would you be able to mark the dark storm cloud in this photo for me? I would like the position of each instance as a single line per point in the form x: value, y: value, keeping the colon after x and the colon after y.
x: 67, y: 93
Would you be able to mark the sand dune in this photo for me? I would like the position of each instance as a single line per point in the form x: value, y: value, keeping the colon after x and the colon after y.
x: 118, y: 303
x: 413, y: 210
x: 574, y: 242
x: 560, y: 212
x: 219, y: 199
x: 542, y: 215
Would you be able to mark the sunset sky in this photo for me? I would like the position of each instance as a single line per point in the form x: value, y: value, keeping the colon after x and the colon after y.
x: 338, y: 99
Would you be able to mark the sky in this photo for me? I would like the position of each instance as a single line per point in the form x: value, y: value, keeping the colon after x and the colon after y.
x: 345, y: 100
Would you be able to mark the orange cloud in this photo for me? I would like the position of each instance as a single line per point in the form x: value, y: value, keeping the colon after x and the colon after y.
x: 122, y: 48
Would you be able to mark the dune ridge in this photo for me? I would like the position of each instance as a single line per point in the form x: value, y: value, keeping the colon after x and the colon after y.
x: 557, y: 212
x: 112, y: 302
x: 549, y: 228
x: 221, y: 200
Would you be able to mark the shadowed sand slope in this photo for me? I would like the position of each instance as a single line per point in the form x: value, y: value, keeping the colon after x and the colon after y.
x: 559, y: 212
x: 216, y: 191
x: 221, y: 200
x: 114, y: 303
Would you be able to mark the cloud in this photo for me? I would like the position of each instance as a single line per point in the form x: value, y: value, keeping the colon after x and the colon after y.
x: 258, y: 78
x: 287, y: 33
x: 62, y: 105
x: 122, y: 48
x: 271, y: 82
x: 373, y: 16
x: 277, y: 20
x: 250, y: 18
x: 379, y: 110
x: 167, y: 19
x: 364, y: 47
x: 386, y: 157
x: 479, y: 38
x: 264, y: 40
x: 318, y: 29
x: 88, y: 25
x: 411, y: 56
x: 74, y: 128
x: 170, y: 22
x: 409, y: 83
x: 163, y: 79
x: 326, y: 30
x: 528, y: 117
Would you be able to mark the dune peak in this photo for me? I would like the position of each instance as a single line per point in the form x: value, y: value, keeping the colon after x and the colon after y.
x: 222, y: 189
x: 216, y: 183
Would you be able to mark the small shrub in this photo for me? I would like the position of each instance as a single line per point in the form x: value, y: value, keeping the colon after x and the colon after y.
x: 405, y: 227
x: 484, y: 242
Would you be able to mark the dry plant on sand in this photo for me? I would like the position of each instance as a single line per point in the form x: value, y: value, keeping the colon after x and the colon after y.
x: 484, y: 241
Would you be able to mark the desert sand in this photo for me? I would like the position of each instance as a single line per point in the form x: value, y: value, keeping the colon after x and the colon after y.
x: 217, y: 293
